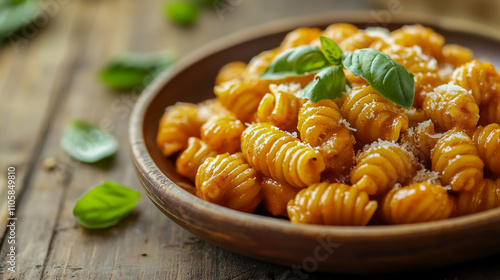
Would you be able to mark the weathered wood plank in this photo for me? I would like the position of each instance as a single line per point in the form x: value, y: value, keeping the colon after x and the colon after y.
x: 35, y: 219
x: 29, y: 73
x: 26, y: 98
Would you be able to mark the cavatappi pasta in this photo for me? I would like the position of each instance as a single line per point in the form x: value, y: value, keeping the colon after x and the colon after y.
x: 260, y: 146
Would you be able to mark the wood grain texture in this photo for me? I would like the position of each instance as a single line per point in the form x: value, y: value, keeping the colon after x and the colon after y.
x: 52, y: 78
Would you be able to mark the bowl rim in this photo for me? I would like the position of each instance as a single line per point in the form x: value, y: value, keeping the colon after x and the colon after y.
x: 143, y: 160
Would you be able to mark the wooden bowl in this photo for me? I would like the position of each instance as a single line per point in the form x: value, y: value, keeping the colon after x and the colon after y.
x: 353, y: 250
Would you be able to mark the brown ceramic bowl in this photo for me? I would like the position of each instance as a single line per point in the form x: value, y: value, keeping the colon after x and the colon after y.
x: 354, y: 250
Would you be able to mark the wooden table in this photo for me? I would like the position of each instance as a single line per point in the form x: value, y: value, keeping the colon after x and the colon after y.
x: 49, y: 78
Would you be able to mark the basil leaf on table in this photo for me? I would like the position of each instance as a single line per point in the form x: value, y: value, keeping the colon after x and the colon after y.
x: 105, y: 205
x: 15, y: 14
x: 331, y: 50
x: 385, y: 75
x: 296, y: 62
x: 329, y: 83
x: 135, y: 70
x: 183, y: 13
x: 87, y: 142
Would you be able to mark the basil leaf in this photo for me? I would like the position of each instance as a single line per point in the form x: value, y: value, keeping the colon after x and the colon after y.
x: 132, y: 71
x: 385, y: 75
x: 15, y: 14
x: 329, y: 83
x: 183, y: 13
x: 296, y: 62
x: 87, y: 142
x: 105, y: 205
x: 331, y: 50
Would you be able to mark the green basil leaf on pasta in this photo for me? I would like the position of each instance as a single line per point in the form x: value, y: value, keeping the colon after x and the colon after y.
x: 87, y: 142
x: 296, y: 62
x: 15, y: 14
x: 331, y: 50
x: 329, y: 83
x: 105, y: 205
x: 135, y: 71
x: 181, y: 12
x: 385, y: 75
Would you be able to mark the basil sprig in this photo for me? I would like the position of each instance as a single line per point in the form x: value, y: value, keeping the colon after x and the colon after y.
x: 295, y: 63
x: 87, y: 142
x: 105, y: 205
x: 385, y: 75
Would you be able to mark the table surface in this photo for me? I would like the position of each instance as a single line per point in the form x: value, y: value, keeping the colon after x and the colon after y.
x: 49, y: 77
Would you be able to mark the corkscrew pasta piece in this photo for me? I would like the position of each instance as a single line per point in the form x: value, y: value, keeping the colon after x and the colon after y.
x: 322, y: 125
x: 299, y: 37
x: 456, y: 55
x: 451, y: 106
x: 487, y: 141
x: 361, y: 40
x: 425, y: 82
x: 412, y: 58
x: 415, y: 116
x: 239, y: 98
x: 416, y: 203
x: 456, y: 158
x: 231, y: 71
x: 373, y: 116
x: 228, y: 181
x: 380, y: 166
x: 421, y: 140
x: 276, y: 195
x: 424, y: 68
x: 427, y: 176
x: 485, y: 196
x: 280, y: 156
x: 178, y: 123
x: 430, y: 42
x: 490, y: 112
x: 281, y: 106
x: 222, y: 134
x: 338, y: 32
x: 481, y: 79
x: 331, y: 204
x: 258, y: 65
x: 192, y: 157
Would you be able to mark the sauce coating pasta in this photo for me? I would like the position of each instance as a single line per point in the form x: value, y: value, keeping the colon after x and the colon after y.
x: 355, y: 160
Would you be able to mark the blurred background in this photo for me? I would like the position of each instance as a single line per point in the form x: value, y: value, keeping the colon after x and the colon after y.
x: 60, y: 64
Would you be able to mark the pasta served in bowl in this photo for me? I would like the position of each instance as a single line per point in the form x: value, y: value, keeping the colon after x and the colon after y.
x: 338, y: 128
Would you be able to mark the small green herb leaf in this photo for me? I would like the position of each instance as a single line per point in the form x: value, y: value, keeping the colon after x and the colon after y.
x: 105, y: 205
x: 15, y: 14
x: 296, y: 62
x: 183, y: 13
x: 329, y: 83
x: 87, y: 142
x: 331, y: 50
x: 385, y: 75
x: 133, y: 71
